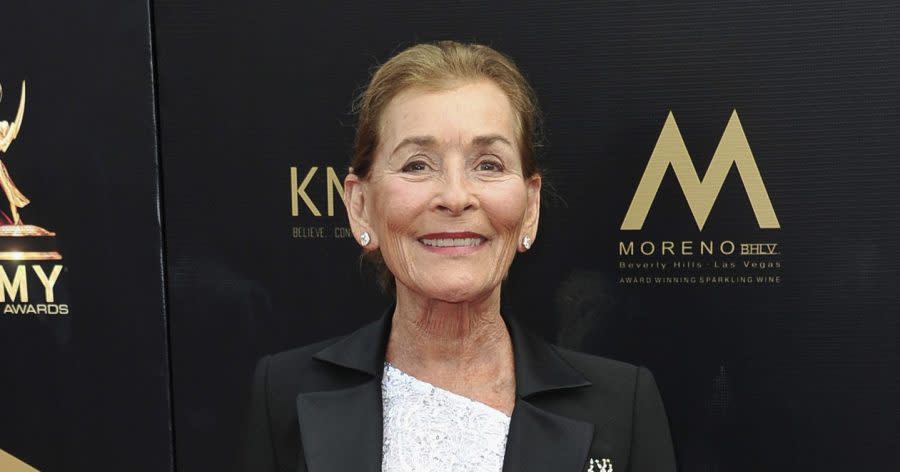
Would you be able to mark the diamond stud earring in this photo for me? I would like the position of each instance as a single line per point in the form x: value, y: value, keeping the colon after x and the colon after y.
x: 526, y: 242
x: 364, y: 238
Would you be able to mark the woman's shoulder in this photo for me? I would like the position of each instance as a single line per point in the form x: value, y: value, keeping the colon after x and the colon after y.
x: 298, y: 357
x: 583, y: 360
x: 609, y: 373
x: 297, y: 370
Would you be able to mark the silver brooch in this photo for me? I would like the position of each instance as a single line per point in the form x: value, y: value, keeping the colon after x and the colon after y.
x: 600, y: 465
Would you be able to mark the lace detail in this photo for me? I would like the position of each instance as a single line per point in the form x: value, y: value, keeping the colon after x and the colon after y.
x: 428, y: 429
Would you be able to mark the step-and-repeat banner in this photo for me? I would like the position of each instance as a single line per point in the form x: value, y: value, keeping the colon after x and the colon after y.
x: 720, y: 205
x: 83, y: 359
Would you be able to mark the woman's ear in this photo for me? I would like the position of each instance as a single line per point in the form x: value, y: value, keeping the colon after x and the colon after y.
x: 355, y: 202
x: 532, y: 212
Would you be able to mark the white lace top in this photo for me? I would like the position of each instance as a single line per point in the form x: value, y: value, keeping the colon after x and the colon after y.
x: 428, y: 429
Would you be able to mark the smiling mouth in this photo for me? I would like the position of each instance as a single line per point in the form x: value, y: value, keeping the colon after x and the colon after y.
x: 449, y: 240
x: 454, y: 242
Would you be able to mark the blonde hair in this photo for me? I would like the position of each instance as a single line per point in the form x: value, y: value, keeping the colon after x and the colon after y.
x: 440, y: 66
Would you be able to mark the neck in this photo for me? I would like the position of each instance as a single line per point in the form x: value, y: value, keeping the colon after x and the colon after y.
x: 434, y: 336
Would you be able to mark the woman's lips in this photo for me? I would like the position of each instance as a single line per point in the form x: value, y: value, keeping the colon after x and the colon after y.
x: 453, y: 243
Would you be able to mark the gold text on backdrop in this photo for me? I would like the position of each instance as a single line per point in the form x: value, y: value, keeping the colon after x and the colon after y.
x: 298, y: 190
x: 23, y: 242
x: 16, y: 289
x: 701, y: 194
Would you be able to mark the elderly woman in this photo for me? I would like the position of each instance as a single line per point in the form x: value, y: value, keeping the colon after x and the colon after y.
x: 444, y: 191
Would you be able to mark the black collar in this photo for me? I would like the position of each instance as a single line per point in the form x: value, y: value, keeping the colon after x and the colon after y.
x: 538, y: 439
x: 539, y: 367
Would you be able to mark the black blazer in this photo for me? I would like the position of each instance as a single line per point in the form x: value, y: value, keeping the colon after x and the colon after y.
x: 318, y: 409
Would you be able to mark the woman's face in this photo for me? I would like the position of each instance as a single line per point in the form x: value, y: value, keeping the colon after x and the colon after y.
x: 446, y: 200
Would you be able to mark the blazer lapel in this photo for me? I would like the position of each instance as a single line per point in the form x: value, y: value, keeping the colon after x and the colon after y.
x: 540, y: 440
x: 341, y: 430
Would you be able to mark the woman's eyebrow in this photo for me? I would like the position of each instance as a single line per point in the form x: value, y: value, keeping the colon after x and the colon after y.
x: 487, y: 140
x: 431, y: 141
x: 421, y: 141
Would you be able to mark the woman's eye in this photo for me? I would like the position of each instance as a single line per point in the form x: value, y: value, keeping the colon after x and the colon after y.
x: 490, y: 166
x: 415, y: 166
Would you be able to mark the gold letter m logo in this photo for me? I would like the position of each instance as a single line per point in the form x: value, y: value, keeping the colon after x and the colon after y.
x: 701, y: 194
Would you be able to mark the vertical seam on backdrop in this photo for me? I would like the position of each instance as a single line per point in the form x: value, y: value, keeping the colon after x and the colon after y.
x: 162, y: 231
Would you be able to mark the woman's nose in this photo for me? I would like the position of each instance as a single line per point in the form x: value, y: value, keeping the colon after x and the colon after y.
x: 456, y: 194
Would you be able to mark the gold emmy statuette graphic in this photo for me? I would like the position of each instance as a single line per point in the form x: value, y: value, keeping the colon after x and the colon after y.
x: 32, y: 241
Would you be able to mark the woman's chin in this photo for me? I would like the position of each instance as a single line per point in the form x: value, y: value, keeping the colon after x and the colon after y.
x: 457, y: 293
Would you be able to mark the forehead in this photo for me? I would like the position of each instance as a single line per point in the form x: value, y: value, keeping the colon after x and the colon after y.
x: 453, y: 115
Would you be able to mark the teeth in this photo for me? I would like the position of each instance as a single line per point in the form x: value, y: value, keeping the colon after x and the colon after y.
x: 454, y: 242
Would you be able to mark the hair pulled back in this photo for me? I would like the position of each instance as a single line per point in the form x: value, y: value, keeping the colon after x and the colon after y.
x: 432, y: 67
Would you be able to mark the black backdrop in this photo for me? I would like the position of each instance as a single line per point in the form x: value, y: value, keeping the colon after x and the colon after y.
x: 793, y: 366
x: 87, y: 390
